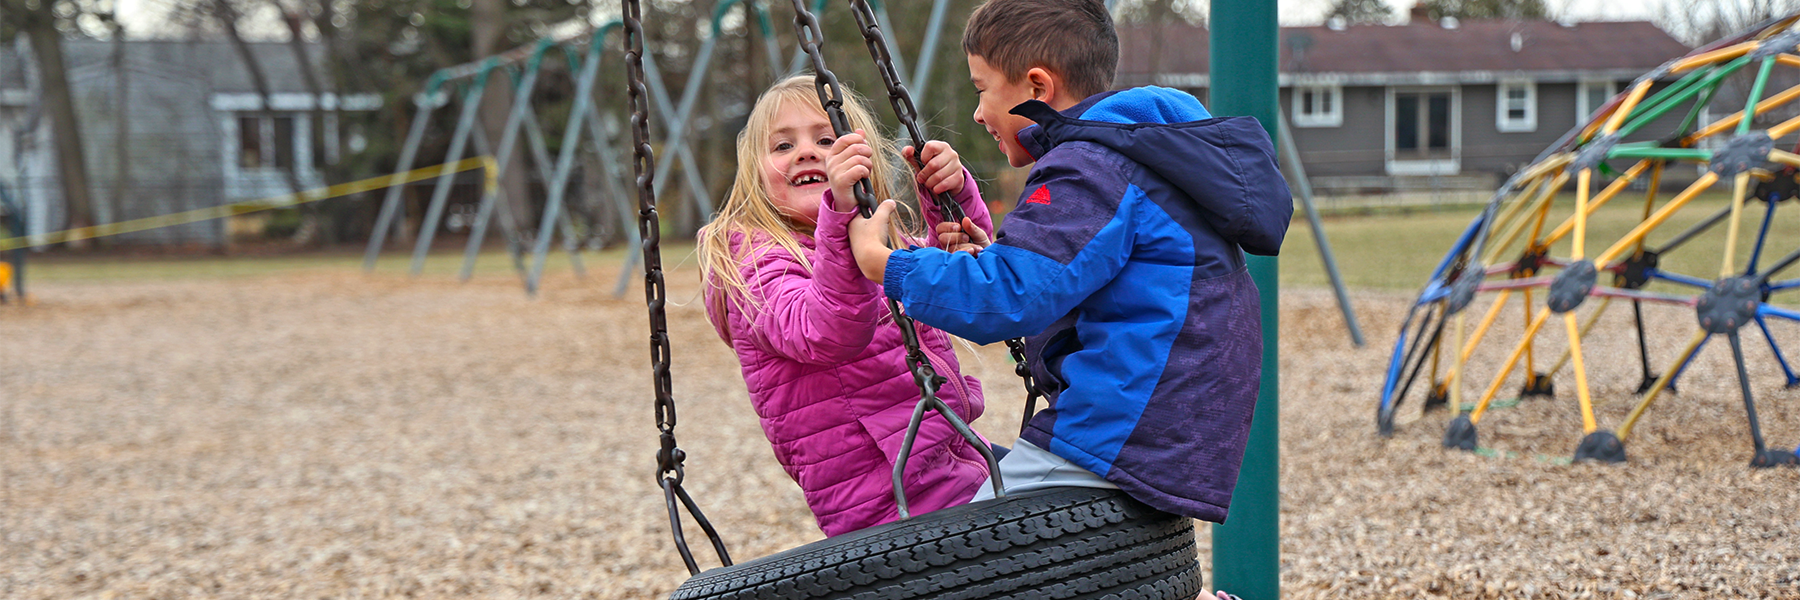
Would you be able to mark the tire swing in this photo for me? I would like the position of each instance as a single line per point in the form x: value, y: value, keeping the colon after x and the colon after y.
x: 1074, y: 543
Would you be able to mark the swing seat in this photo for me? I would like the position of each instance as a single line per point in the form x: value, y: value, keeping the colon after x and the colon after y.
x: 1064, y: 543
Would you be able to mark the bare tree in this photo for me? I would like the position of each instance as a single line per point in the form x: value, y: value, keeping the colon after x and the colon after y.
x: 121, y: 127
x: 488, y: 23
x: 1360, y: 12
x: 311, y: 226
x: 227, y: 16
x: 1487, y: 9
x: 39, y: 24
x: 1699, y: 23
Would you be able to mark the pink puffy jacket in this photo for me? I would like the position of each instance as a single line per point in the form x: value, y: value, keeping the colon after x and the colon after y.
x: 826, y: 370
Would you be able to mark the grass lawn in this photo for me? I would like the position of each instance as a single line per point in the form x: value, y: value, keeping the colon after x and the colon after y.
x: 1381, y: 252
x: 1399, y: 251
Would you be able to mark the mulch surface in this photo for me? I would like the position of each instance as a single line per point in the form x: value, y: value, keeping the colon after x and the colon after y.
x: 325, y: 435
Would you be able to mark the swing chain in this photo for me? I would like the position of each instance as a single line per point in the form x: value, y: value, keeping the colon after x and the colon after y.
x: 669, y: 456
x: 1022, y: 368
x: 908, y: 114
x: 904, y: 109
x: 831, y: 93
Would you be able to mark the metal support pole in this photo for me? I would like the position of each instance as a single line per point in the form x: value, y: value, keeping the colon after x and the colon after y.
x: 1291, y: 155
x: 509, y: 226
x: 1246, y: 551
x: 390, y: 206
x: 609, y: 162
x: 509, y: 137
x: 446, y: 179
x: 675, y: 134
x: 540, y: 153
x: 689, y: 167
x: 584, y: 90
x: 770, y: 46
x: 927, y: 52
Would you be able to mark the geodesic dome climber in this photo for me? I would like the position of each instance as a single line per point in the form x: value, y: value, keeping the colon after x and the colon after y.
x: 1527, y: 245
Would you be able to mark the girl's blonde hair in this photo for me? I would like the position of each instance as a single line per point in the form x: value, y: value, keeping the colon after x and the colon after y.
x: 751, y: 215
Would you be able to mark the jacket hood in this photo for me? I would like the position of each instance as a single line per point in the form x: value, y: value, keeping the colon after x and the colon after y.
x: 1225, y: 165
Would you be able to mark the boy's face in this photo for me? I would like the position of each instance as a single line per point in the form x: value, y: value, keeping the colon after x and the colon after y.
x: 997, y: 97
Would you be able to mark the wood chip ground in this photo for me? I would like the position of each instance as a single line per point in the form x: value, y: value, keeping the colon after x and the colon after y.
x: 324, y: 435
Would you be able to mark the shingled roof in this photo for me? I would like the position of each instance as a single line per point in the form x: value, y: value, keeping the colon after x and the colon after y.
x: 1420, y: 52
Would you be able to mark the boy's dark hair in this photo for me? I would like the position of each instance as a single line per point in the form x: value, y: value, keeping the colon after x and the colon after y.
x: 1073, y: 38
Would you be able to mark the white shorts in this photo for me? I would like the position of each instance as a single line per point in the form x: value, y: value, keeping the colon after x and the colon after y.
x: 1028, y: 467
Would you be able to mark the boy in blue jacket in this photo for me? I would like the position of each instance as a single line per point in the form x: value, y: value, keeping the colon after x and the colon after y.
x: 1123, y: 262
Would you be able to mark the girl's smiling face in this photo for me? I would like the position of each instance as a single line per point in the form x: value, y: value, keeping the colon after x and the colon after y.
x: 793, y: 162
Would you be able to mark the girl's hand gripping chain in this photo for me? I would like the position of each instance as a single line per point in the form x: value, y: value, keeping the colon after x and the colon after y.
x: 850, y: 160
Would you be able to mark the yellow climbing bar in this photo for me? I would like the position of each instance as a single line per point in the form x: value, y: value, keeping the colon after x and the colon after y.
x: 1511, y: 361
x: 1662, y: 383
x: 1700, y: 185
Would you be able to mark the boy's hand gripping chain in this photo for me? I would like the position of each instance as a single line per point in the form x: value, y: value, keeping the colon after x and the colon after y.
x: 831, y: 97
x: 904, y: 110
x: 669, y: 457
x: 908, y: 115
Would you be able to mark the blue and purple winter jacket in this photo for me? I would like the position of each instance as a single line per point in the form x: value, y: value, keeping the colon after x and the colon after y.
x: 1124, y: 264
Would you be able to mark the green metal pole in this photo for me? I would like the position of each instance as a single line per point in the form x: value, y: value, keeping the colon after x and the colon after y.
x: 1247, y: 549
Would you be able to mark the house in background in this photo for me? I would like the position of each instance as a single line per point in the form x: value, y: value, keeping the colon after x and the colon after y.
x: 190, y: 130
x: 1428, y: 104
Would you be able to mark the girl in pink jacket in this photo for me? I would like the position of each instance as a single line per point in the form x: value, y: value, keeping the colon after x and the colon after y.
x: 822, y: 358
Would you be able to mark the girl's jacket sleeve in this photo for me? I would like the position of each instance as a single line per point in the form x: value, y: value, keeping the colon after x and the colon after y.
x: 1069, y: 238
x: 972, y: 205
x: 826, y: 316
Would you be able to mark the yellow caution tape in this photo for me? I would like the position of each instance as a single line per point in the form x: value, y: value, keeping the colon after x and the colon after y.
x: 250, y: 206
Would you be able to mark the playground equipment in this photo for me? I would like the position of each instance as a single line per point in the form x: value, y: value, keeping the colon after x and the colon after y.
x: 582, y: 50
x: 522, y: 67
x: 1508, y: 251
x: 12, y: 270
x: 1013, y: 545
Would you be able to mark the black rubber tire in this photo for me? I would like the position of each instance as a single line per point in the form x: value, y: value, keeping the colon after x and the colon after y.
x: 1062, y: 543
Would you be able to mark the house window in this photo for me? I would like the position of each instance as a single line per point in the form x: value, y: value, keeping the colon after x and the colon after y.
x: 1590, y: 96
x: 266, y: 141
x: 1318, y: 106
x: 1424, y: 131
x: 1516, y: 107
x: 1421, y: 125
x: 250, y: 152
x: 284, y: 142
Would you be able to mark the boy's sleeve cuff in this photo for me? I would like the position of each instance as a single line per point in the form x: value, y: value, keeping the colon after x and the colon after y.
x: 899, y: 264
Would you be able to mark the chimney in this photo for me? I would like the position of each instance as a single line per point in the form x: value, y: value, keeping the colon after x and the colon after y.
x: 1420, y: 14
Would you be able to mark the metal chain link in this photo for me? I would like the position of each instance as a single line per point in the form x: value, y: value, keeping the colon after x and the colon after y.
x: 904, y: 110
x: 831, y: 93
x: 908, y: 114
x: 669, y: 457
x: 831, y: 98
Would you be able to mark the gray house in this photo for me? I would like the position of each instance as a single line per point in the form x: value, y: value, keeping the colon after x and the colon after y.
x: 1377, y: 108
x: 166, y: 126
